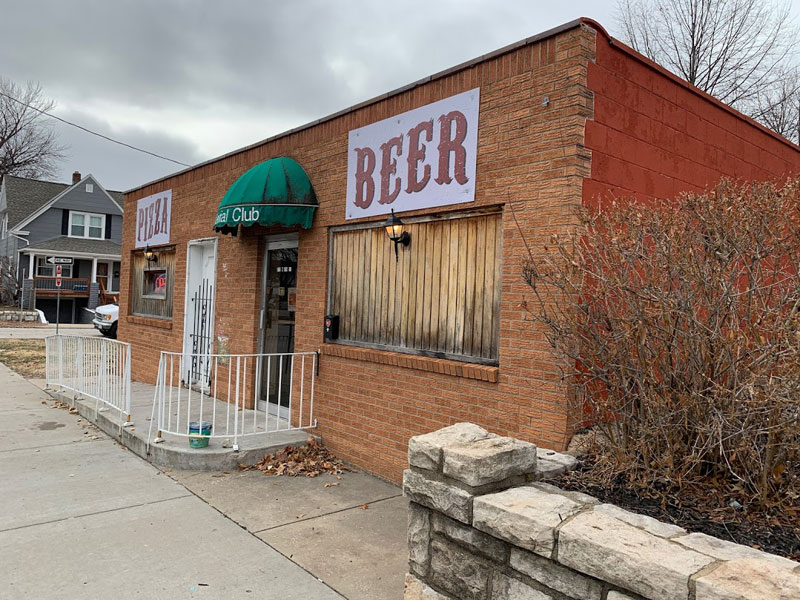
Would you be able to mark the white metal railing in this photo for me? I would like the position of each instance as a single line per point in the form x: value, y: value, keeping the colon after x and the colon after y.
x: 92, y: 367
x: 238, y: 395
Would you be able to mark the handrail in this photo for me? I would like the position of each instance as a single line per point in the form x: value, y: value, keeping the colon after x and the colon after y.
x: 225, y: 391
x: 92, y: 367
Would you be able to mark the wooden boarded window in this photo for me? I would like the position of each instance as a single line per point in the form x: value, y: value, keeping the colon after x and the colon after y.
x: 442, y: 298
x: 152, y: 284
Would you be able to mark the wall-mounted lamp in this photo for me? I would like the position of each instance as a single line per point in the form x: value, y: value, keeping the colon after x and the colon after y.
x: 150, y: 256
x: 395, y: 230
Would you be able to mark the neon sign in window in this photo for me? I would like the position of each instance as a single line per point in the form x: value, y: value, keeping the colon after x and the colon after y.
x: 155, y: 283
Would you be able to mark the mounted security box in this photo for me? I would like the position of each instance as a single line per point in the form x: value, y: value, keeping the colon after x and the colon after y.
x: 331, y: 327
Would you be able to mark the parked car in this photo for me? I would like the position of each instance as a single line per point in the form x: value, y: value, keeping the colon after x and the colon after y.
x: 105, y: 320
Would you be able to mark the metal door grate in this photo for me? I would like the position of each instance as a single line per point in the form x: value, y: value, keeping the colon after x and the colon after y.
x: 200, y: 336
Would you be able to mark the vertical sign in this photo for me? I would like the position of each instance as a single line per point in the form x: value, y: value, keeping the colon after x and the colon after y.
x: 58, y: 296
x: 419, y: 159
x: 153, y: 216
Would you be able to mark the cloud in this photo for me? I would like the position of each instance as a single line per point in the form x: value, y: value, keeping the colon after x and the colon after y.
x: 117, y: 167
x: 196, y: 79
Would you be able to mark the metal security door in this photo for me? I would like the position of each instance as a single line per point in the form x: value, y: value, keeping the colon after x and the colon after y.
x: 198, y: 324
x: 200, y: 334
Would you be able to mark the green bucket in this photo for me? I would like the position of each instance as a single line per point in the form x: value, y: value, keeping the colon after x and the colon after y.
x: 198, y: 433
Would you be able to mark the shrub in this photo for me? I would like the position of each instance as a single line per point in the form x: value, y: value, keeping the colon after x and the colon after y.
x: 677, y: 322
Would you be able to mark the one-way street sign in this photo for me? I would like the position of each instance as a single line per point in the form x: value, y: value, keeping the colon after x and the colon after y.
x: 59, y: 260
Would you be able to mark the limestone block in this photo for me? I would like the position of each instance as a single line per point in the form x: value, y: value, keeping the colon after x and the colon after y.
x: 419, y: 537
x: 614, y: 595
x: 488, y: 460
x: 649, y: 524
x: 524, y: 516
x: 724, y: 550
x: 578, y: 497
x: 748, y: 579
x: 417, y: 590
x: 458, y: 572
x: 508, y: 588
x: 477, y: 541
x: 611, y: 550
x: 554, y: 576
x: 452, y: 501
x: 425, y: 451
x: 551, y: 463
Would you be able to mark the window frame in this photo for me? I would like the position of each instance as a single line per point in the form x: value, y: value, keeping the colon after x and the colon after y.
x: 425, y: 218
x: 86, y: 225
x: 155, y: 269
x: 148, y: 305
x: 41, y: 261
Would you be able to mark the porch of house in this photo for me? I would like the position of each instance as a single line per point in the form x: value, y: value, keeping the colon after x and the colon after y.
x: 85, y: 284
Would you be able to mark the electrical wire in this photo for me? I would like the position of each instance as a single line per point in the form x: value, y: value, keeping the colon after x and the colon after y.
x: 100, y: 135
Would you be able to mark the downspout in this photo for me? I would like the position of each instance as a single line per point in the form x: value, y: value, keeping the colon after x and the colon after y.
x: 19, y: 237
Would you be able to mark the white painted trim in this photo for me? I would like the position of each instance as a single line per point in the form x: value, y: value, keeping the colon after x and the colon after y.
x: 278, y: 241
x: 39, y: 256
x: 39, y: 251
x: 214, y: 242
x: 86, y: 225
x: 44, y: 208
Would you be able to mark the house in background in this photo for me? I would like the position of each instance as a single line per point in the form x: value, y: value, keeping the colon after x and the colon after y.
x: 41, y: 221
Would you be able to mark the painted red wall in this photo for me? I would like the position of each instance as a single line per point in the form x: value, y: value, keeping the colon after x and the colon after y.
x: 654, y: 136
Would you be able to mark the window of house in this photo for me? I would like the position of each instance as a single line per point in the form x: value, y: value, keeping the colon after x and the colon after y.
x: 4, y: 227
x: 45, y: 269
x: 87, y: 225
x: 152, y: 283
x: 441, y: 298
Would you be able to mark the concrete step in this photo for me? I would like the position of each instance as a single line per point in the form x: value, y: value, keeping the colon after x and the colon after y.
x: 174, y: 452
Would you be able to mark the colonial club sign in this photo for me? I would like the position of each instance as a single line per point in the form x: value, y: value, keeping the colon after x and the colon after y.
x: 419, y: 159
x: 153, y: 216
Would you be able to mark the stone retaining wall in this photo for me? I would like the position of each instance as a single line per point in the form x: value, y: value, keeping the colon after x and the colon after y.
x: 481, y: 527
x: 13, y: 315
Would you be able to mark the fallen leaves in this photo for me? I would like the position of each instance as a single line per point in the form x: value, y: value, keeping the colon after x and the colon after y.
x: 310, y: 460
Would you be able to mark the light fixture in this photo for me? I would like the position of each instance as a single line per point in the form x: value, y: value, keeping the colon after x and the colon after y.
x: 150, y: 256
x: 396, y: 232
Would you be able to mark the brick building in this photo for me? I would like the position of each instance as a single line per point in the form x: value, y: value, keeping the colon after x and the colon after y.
x: 437, y: 334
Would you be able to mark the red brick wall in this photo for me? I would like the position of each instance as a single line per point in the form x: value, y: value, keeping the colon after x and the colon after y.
x: 650, y: 136
x: 369, y: 403
x: 653, y: 135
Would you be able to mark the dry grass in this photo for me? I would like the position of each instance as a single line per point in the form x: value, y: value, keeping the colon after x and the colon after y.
x: 26, y: 357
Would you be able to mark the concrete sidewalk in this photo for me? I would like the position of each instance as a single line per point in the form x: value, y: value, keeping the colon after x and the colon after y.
x: 81, y: 517
x: 43, y: 331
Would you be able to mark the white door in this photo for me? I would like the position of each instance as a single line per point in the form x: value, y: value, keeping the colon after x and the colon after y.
x: 198, y: 320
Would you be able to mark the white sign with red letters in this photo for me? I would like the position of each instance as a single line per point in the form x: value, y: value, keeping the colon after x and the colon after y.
x: 153, y: 216
x: 419, y: 159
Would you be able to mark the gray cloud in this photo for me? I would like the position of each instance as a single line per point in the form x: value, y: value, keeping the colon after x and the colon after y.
x: 274, y: 65
x: 117, y: 167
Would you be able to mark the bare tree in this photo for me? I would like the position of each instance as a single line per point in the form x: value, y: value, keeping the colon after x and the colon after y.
x: 9, y: 285
x: 778, y: 107
x: 736, y: 50
x: 28, y: 144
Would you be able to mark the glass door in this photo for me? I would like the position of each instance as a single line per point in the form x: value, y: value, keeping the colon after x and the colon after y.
x: 277, y: 325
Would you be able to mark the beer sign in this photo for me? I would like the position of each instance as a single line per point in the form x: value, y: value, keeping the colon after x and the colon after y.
x: 153, y: 216
x: 419, y: 159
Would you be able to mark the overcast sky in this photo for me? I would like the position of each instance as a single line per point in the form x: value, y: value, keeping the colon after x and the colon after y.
x: 195, y: 79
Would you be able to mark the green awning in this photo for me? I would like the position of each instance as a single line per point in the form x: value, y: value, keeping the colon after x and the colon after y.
x: 275, y: 192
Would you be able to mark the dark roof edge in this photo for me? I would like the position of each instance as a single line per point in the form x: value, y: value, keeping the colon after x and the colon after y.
x: 449, y: 71
x: 615, y: 43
